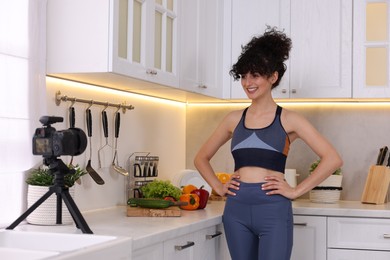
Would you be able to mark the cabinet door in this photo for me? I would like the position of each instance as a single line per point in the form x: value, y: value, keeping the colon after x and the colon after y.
x: 145, y: 40
x: 148, y: 253
x: 309, y: 238
x: 203, y: 46
x: 206, y: 241
x: 321, y: 56
x: 179, y: 248
x: 340, y: 254
x: 250, y: 18
x: 371, y: 49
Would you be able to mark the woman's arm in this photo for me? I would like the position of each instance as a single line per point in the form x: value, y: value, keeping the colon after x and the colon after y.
x: 298, y: 127
x: 202, y: 159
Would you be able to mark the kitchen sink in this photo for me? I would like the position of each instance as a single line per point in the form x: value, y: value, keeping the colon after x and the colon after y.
x: 40, y: 245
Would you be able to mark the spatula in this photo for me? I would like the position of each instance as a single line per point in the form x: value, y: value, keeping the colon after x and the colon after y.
x: 116, y: 166
x: 95, y: 176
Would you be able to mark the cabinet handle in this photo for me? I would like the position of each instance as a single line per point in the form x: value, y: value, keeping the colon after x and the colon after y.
x: 386, y: 235
x: 208, y: 237
x: 202, y: 86
x: 189, y: 244
x: 294, y: 91
x: 300, y: 224
x: 151, y: 72
x: 284, y: 91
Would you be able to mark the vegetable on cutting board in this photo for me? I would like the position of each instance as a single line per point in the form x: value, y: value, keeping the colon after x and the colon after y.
x: 153, y: 203
x: 159, y: 189
x: 191, y: 199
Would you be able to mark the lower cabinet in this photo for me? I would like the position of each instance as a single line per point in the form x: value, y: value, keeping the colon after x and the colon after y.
x: 202, y: 244
x: 358, y: 238
x: 309, y: 238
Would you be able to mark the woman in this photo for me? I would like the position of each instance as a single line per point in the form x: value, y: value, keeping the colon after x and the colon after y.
x: 258, y: 215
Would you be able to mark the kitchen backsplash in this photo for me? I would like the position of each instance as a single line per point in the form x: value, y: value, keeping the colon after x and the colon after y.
x: 357, y: 130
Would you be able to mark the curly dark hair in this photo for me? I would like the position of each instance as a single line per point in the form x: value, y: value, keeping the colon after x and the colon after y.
x: 264, y: 54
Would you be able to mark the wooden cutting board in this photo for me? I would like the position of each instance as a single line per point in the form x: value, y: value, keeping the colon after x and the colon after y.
x: 377, y: 185
x: 173, y: 211
x: 217, y: 197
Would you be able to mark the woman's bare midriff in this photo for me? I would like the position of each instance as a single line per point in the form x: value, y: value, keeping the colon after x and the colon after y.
x: 255, y: 174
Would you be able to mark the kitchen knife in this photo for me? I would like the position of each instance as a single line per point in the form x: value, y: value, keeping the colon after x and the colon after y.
x: 382, y: 155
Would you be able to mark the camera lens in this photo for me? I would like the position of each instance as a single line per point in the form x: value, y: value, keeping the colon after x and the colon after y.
x: 72, y: 141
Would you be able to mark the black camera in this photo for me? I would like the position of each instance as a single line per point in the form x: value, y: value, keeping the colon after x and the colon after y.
x: 51, y: 143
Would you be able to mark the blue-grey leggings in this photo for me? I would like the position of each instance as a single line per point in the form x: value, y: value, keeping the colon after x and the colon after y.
x: 258, y: 226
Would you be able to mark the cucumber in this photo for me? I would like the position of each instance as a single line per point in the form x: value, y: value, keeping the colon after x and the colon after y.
x: 153, y: 203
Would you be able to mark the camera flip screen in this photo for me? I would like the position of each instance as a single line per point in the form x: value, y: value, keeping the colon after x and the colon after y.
x: 42, y: 146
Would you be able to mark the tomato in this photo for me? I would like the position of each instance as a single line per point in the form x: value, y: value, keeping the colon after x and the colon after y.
x: 192, y: 199
x: 189, y: 188
x: 170, y: 198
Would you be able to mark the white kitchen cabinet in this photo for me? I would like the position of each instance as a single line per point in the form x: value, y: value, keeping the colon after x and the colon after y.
x: 147, y: 253
x: 321, y: 56
x: 342, y: 254
x: 371, y: 55
x: 320, y: 64
x: 205, y: 47
x: 359, y: 236
x: 105, y: 42
x: 250, y: 18
x: 201, y: 244
x: 309, y: 238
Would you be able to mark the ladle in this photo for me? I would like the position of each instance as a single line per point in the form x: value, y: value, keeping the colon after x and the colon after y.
x: 94, y: 175
x: 116, y: 166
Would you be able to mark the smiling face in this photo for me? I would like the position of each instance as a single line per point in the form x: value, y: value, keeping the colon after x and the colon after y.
x: 256, y: 85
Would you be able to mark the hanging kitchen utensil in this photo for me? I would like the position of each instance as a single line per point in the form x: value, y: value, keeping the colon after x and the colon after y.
x: 95, y: 176
x: 72, y: 122
x: 105, y: 130
x: 116, y: 166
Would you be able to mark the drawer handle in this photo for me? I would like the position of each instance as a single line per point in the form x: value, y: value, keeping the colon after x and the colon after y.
x: 202, y: 86
x: 151, y: 72
x: 208, y: 237
x: 386, y: 235
x: 189, y: 244
x: 300, y: 224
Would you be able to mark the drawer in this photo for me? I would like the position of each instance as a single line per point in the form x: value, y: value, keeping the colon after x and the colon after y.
x: 359, y: 233
x: 342, y: 254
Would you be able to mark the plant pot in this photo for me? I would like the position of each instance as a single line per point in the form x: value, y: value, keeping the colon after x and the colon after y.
x: 325, y: 196
x: 46, y: 213
x: 332, y: 181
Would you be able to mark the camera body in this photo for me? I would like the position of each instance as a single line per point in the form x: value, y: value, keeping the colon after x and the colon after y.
x: 51, y: 143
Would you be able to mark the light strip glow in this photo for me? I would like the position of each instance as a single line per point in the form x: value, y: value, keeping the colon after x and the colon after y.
x: 122, y: 93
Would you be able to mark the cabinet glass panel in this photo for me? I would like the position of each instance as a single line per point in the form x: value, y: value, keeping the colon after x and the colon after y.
x: 122, y: 34
x: 376, y: 66
x: 157, y: 39
x: 137, y: 27
x: 170, y: 5
x: 376, y: 22
x: 169, y: 47
x: 160, y: 2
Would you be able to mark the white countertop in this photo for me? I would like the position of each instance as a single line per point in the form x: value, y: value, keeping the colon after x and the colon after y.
x: 149, y: 230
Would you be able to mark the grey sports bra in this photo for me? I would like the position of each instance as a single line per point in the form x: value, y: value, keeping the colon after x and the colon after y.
x: 265, y: 147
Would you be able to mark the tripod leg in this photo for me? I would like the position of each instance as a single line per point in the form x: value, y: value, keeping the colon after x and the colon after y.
x: 75, y: 212
x: 31, y: 209
x: 59, y: 209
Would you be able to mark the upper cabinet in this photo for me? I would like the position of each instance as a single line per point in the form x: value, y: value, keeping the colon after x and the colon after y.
x: 131, y: 38
x: 250, y: 18
x: 320, y: 64
x: 205, y: 46
x: 371, y: 49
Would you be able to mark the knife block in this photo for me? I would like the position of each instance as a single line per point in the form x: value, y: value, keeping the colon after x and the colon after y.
x: 377, y: 185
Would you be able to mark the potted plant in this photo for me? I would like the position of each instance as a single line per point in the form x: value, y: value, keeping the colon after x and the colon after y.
x: 39, y: 182
x: 329, y: 190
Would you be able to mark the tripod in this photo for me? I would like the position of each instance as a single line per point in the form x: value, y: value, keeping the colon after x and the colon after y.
x: 59, y: 169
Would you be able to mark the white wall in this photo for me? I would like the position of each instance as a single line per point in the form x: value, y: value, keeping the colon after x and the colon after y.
x: 154, y: 126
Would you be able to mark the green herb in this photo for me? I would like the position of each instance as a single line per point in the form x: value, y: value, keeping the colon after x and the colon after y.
x: 42, y: 177
x: 160, y: 189
x: 315, y: 164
